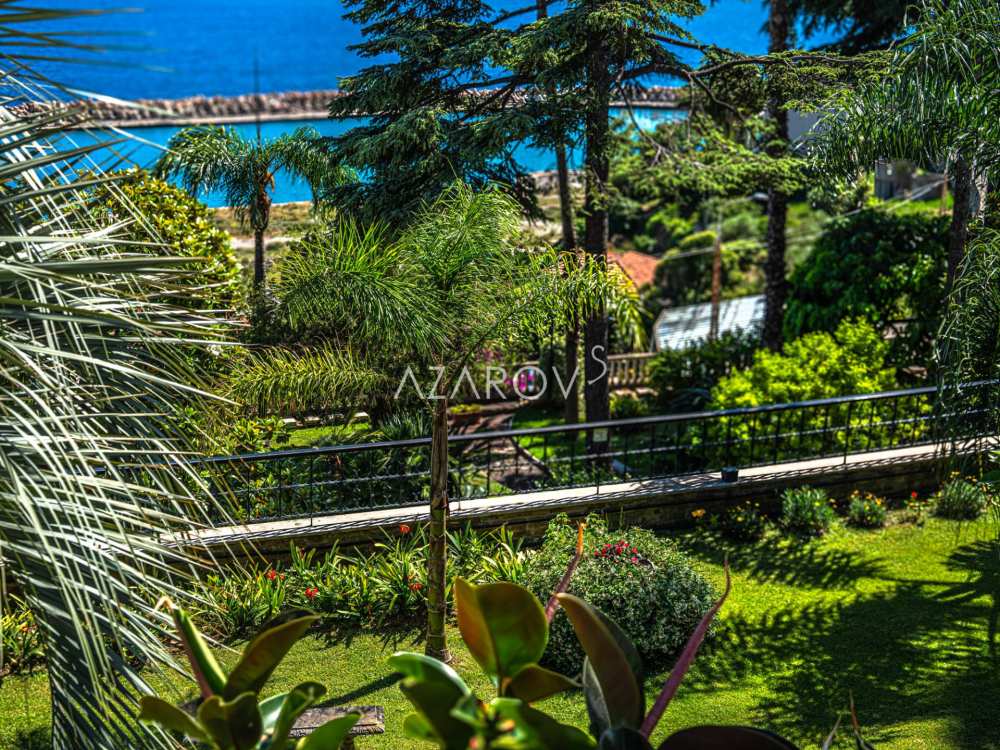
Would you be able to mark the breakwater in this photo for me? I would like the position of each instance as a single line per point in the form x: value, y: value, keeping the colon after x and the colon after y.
x: 273, y: 107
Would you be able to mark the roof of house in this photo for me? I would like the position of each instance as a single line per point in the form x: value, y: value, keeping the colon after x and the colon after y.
x: 682, y: 327
x: 639, y: 267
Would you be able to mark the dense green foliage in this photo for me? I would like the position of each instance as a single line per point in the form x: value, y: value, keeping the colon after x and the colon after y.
x: 866, y: 510
x: 684, y: 378
x: 639, y: 580
x: 817, y: 365
x: 384, y: 587
x: 875, y: 265
x: 963, y: 498
x: 186, y: 228
x: 807, y: 511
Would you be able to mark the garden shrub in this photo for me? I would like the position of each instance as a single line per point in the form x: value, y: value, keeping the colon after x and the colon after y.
x: 684, y: 378
x: 875, y: 265
x: 866, y: 510
x: 697, y: 240
x: 667, y: 227
x: 962, y: 498
x: 20, y: 640
x: 815, y: 366
x: 366, y: 590
x: 807, y: 511
x: 627, y: 406
x: 639, y: 580
x: 187, y: 228
x: 744, y: 522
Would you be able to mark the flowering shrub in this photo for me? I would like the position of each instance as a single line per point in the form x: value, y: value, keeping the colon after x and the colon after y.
x: 962, y: 498
x: 21, y: 644
x: 357, y: 590
x: 866, y: 510
x: 639, y: 580
x: 807, y: 511
x: 915, y: 509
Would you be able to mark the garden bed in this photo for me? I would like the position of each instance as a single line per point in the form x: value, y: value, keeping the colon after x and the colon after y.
x: 898, y: 617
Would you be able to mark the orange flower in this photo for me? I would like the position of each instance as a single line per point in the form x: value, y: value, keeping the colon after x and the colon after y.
x: 416, y: 586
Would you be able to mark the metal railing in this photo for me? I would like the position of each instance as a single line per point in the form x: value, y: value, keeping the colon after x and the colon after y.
x: 345, y: 478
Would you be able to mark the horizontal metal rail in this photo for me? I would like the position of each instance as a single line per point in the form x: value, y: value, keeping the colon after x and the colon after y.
x: 305, y: 481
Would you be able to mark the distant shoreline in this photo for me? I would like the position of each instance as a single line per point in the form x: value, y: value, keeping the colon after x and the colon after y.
x: 273, y: 107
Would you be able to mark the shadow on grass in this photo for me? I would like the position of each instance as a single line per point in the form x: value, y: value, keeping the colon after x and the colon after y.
x: 914, y: 654
x: 789, y: 561
x: 39, y: 738
x: 404, y: 635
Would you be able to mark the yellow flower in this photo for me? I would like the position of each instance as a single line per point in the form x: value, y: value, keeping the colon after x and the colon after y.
x: 698, y: 513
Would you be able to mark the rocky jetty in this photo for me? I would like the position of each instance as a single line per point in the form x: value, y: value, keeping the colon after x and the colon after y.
x: 286, y: 105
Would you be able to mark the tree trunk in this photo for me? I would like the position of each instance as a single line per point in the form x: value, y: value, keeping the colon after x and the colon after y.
x: 597, y: 132
x: 437, y: 546
x: 258, y: 258
x: 571, y: 409
x: 775, y: 284
x: 961, y: 213
x: 713, y: 323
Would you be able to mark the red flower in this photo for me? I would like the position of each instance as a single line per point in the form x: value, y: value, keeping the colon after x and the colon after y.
x: 635, y: 560
x: 311, y: 593
x: 913, y: 495
x: 404, y: 529
x: 416, y: 586
x: 271, y: 575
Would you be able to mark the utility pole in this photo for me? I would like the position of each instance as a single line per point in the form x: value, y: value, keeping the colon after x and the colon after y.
x: 713, y: 325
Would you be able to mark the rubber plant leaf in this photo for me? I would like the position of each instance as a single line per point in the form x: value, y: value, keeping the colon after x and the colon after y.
x: 330, y: 736
x: 170, y: 717
x: 621, y: 693
x: 725, y: 738
x: 263, y: 654
x: 503, y: 625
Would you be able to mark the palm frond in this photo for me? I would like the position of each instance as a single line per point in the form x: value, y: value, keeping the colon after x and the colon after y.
x: 293, y: 382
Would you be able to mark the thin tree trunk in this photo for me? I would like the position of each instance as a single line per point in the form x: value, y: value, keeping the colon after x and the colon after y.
x: 961, y: 213
x: 775, y: 284
x: 258, y: 258
x: 437, y: 546
x: 713, y: 323
x: 571, y: 409
x: 597, y: 135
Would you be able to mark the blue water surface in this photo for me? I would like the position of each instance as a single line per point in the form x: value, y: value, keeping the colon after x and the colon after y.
x: 177, y: 48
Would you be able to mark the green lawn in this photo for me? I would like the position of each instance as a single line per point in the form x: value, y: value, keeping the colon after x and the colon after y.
x: 903, y: 619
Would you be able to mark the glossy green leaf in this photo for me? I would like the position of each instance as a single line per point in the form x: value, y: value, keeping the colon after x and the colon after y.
x: 235, y: 723
x: 270, y: 709
x: 503, y: 625
x: 621, y: 693
x: 331, y: 735
x: 434, y: 689
x: 416, y: 727
x: 534, y: 683
x: 713, y: 737
x: 298, y: 700
x: 623, y: 738
x: 263, y: 654
x: 207, y: 672
x: 597, y: 709
x: 170, y: 717
x: 538, y: 730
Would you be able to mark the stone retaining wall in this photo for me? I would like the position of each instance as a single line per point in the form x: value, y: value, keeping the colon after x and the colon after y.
x: 287, y: 105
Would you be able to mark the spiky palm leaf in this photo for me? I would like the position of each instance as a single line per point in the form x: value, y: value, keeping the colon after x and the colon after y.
x: 90, y: 477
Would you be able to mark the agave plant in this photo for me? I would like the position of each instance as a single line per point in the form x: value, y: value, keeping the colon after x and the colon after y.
x: 230, y: 715
x: 91, y: 480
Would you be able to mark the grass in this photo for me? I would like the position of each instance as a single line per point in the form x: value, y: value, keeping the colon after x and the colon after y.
x: 904, y: 619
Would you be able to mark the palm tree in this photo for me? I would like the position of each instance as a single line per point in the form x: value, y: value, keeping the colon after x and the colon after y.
x: 936, y: 102
x: 208, y: 159
x: 91, y: 476
x: 453, y: 283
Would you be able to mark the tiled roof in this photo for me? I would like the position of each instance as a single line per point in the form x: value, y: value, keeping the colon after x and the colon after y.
x: 639, y: 267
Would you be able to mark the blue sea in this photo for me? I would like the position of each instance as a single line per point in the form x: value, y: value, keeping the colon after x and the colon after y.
x: 177, y: 48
